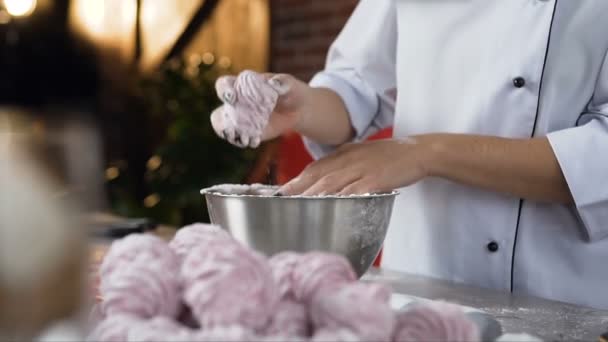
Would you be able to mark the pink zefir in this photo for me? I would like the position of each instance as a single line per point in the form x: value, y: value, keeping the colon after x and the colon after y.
x: 140, y: 277
x: 317, y: 272
x: 283, y: 266
x: 436, y: 322
x: 198, y: 234
x: 249, y: 100
x: 228, y: 284
x: 361, y: 308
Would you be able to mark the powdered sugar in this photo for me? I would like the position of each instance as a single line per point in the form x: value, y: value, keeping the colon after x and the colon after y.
x: 263, y: 191
x: 370, y: 228
x: 249, y: 102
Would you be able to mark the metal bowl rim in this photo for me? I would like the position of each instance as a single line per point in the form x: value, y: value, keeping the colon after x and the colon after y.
x: 213, y: 192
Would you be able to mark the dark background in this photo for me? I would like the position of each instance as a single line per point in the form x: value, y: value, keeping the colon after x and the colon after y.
x: 48, y: 71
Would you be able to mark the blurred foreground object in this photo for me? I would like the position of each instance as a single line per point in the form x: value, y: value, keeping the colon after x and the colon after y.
x: 20, y: 8
x: 41, y: 248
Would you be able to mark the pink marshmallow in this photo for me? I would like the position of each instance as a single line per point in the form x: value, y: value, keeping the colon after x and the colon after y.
x: 227, y: 284
x: 159, y: 329
x: 232, y: 333
x: 329, y: 335
x: 140, y: 276
x: 194, y: 235
x: 145, y: 247
x: 143, y: 289
x: 290, y: 319
x: 283, y: 266
x: 249, y: 102
x: 359, y: 307
x: 113, y: 329
x: 439, y: 322
x: 317, y: 272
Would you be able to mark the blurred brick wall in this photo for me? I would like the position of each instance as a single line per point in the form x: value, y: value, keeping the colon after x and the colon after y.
x: 302, y: 31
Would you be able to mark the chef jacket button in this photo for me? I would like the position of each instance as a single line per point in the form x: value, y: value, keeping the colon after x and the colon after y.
x: 493, y: 246
x: 519, y: 82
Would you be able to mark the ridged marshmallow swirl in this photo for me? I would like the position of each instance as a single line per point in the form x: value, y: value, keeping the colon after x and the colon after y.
x: 317, y: 272
x: 137, y: 247
x: 255, y: 101
x: 360, y: 307
x: 113, y: 329
x: 140, y: 276
x: 159, y: 329
x: 283, y: 266
x: 439, y: 322
x: 227, y: 284
x: 194, y: 235
x: 289, y: 319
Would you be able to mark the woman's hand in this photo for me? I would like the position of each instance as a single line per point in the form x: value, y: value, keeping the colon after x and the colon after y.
x: 523, y: 168
x: 369, y: 167
x: 257, y: 107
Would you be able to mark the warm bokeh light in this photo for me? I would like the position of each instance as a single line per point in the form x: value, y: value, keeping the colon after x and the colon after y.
x: 20, y: 8
x: 151, y: 201
x: 238, y: 30
x: 5, y: 18
x: 236, y: 36
x: 208, y: 58
x: 225, y: 62
x: 112, y: 173
x: 154, y: 163
x: 110, y: 23
x: 162, y: 23
x: 195, y: 60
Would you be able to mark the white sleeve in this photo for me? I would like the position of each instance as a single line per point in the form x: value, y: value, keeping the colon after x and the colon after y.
x: 582, y: 153
x: 361, y: 69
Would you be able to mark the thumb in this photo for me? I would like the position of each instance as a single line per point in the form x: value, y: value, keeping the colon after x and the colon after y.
x: 218, y: 122
x: 281, y: 83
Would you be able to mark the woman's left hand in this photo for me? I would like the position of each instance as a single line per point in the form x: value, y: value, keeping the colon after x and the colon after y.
x: 369, y: 167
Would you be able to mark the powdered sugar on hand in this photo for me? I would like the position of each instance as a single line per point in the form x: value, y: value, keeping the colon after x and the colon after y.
x: 262, y: 190
x: 247, y: 107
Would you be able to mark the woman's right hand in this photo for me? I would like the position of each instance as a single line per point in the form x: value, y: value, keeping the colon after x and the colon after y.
x: 249, y: 116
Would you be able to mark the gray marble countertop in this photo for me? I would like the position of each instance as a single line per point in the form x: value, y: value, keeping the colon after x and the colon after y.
x: 549, y: 320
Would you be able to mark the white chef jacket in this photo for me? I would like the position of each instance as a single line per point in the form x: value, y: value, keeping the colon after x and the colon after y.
x: 508, y: 68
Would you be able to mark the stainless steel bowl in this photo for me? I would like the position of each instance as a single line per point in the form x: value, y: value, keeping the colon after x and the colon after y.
x: 353, y: 226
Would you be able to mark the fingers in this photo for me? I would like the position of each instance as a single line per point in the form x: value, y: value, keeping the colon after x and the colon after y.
x: 222, y: 127
x: 311, y: 175
x: 331, y: 184
x: 337, y: 183
x: 255, y: 142
x: 244, y: 141
x: 224, y: 87
x: 217, y: 121
x: 359, y: 187
x: 295, y: 186
x: 299, y: 184
x: 224, y: 121
x: 345, y: 172
x: 281, y: 83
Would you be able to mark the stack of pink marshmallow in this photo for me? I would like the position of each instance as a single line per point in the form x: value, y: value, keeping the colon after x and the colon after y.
x: 206, y: 286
